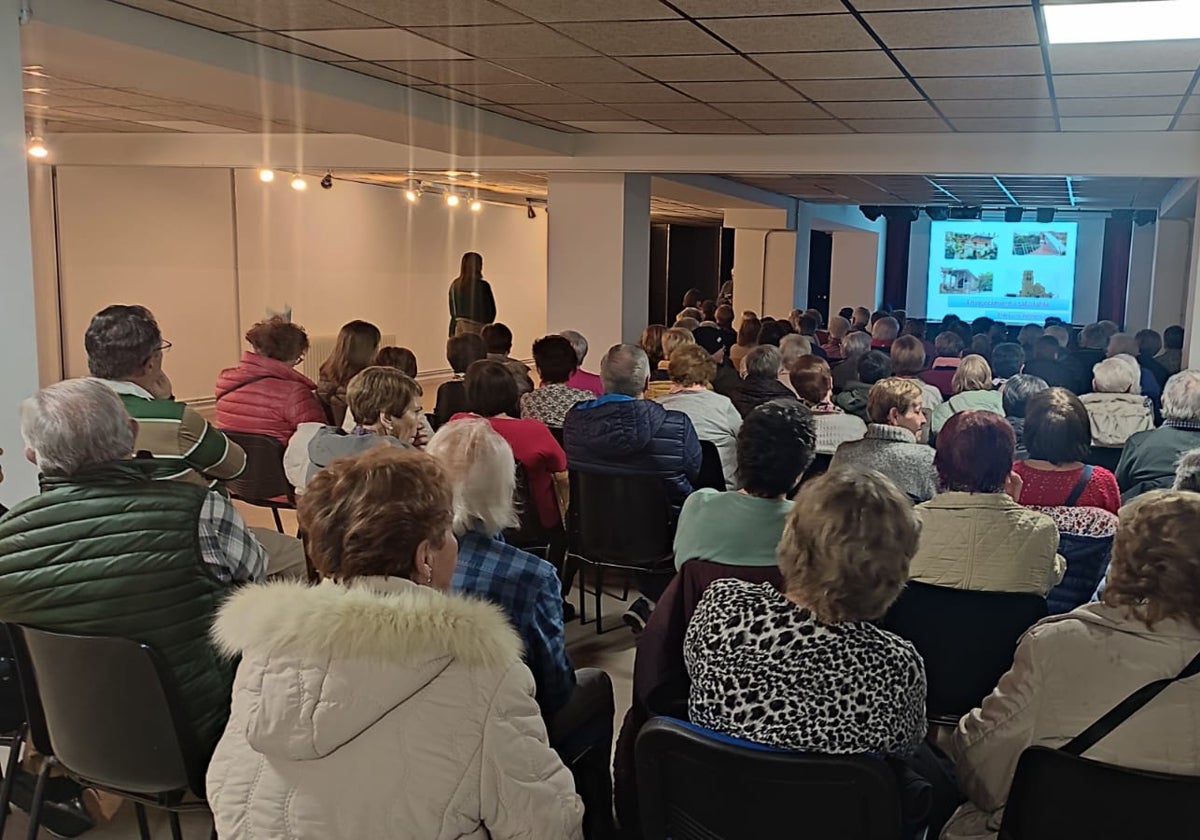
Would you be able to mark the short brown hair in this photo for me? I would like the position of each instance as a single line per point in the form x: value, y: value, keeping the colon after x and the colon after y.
x: 401, y: 358
x: 676, y: 337
x: 890, y: 393
x: 811, y: 378
x: 463, y: 350
x: 279, y: 339
x: 908, y: 356
x: 973, y: 374
x: 691, y: 365
x: 380, y: 390
x: 1057, y: 427
x: 368, y: 513
x: 847, y: 545
x: 491, y: 388
x: 1155, y: 571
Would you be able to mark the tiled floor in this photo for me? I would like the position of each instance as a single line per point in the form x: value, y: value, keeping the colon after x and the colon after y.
x: 612, y: 651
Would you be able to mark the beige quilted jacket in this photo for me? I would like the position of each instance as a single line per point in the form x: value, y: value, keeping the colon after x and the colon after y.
x: 987, y: 542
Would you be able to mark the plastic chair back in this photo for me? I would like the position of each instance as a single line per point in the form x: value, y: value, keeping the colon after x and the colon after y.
x: 696, y: 784
x: 966, y: 638
x: 620, y: 520
x: 1056, y: 795
x: 107, y: 709
x: 263, y: 482
x: 712, y: 474
x: 530, y: 533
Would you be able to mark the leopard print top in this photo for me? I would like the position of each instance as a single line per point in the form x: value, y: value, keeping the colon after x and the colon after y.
x: 767, y: 671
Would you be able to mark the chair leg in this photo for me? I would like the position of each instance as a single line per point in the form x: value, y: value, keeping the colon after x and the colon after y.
x: 278, y: 520
x: 599, y: 593
x: 176, y: 829
x: 39, y: 795
x: 580, y: 580
x: 10, y: 773
x: 143, y: 825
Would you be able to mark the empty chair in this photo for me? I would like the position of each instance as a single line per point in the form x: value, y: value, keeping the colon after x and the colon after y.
x: 1085, y: 538
x: 263, y: 483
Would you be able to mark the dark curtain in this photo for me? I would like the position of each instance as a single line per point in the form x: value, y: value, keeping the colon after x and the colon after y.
x: 895, y: 263
x: 1114, y: 270
x: 820, y: 262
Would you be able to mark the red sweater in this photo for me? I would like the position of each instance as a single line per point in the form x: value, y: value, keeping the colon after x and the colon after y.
x: 1052, y: 487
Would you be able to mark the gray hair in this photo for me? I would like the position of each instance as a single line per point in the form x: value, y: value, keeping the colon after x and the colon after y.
x: 1187, y: 471
x: 625, y: 369
x: 856, y: 343
x: 120, y: 340
x: 1059, y: 333
x: 75, y: 424
x: 1119, y: 374
x: 482, y: 475
x: 886, y: 329
x: 578, y: 343
x: 1122, y: 344
x: 1181, y: 397
x: 792, y: 347
x: 838, y: 326
x: 1095, y: 336
x: 765, y: 360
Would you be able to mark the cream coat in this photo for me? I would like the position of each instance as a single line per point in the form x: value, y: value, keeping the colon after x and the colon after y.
x: 1117, y: 416
x: 381, y: 709
x: 1069, y: 670
x: 986, y: 542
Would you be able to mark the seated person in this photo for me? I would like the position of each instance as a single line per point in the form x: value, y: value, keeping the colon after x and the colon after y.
x: 498, y: 340
x: 1006, y: 360
x: 712, y: 415
x: 813, y: 384
x: 660, y: 377
x: 948, y: 347
x: 581, y: 379
x: 1045, y: 362
x: 854, y: 346
x: 726, y: 379
x: 805, y: 669
x: 742, y: 528
x: 549, y: 403
x: 1116, y: 407
x: 405, y: 361
x: 872, y: 367
x: 973, y: 391
x: 1187, y: 474
x: 723, y: 315
x: 747, y: 339
x: 1015, y: 394
x: 652, y: 343
x: 462, y: 351
x: 357, y: 342
x: 908, y: 360
x: 1059, y: 440
x: 1149, y: 458
x: 890, y: 444
x: 106, y: 550
x: 1171, y: 357
x: 792, y: 348
x: 760, y: 383
x: 1123, y: 344
x: 1149, y: 344
x: 265, y: 394
x: 838, y: 328
x: 883, y: 332
x: 974, y: 534
x: 1071, y: 669
x: 393, y: 672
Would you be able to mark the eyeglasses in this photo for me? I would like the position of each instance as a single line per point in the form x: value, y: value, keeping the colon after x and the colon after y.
x: 165, y: 346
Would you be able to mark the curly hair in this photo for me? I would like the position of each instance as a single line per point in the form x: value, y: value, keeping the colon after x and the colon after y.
x: 1155, y: 570
x: 691, y: 365
x: 776, y: 444
x: 848, y: 567
x: 278, y: 338
x: 120, y: 340
x: 368, y: 514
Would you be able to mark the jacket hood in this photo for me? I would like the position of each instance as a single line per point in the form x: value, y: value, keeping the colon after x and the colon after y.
x: 620, y: 428
x: 322, y: 664
x: 329, y: 443
x: 253, y: 366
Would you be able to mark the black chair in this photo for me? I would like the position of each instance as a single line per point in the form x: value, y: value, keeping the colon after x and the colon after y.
x: 530, y: 534
x: 263, y: 483
x: 106, y: 713
x: 966, y: 638
x: 618, y: 522
x: 1055, y: 795
x: 13, y: 728
x: 695, y: 784
x: 557, y: 432
x: 1106, y: 456
x: 712, y: 474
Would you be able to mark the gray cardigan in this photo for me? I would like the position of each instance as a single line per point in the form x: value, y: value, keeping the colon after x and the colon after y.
x: 893, y: 451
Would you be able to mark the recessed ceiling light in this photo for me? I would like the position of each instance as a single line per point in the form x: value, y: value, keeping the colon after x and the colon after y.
x: 1149, y: 20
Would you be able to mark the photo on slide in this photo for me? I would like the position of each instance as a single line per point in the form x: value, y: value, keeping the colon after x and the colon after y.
x: 962, y: 281
x: 1049, y: 243
x: 971, y: 246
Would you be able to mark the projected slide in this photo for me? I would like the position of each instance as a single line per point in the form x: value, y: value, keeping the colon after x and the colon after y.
x: 1016, y: 272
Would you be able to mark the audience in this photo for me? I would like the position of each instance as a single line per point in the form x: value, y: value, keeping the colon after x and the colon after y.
x: 884, y: 332
x: 807, y: 325
x: 1149, y: 345
x: 498, y: 340
x: 742, y: 528
x: 860, y: 319
x: 916, y: 327
x: 972, y: 387
x: 806, y: 669
x: 1015, y: 395
x: 1071, y: 669
x: 838, y: 327
x: 761, y: 384
x: 724, y: 318
x: 265, y: 394
x: 1045, y: 364
x: 974, y: 534
x: 555, y: 360
x: 890, y: 444
x: 462, y: 351
x: 908, y: 360
x: 1116, y: 407
x: 651, y: 343
x: 713, y: 416
x: 747, y: 339
x: 1093, y: 342
x: 813, y: 384
x: 1123, y: 344
x: 1007, y: 359
x: 405, y: 361
x: 872, y: 367
x: 725, y: 380
x: 791, y: 348
x: 854, y: 346
x: 660, y: 379
x: 1148, y: 459
x: 1058, y: 437
x: 395, y: 674
x: 581, y: 379
x: 1171, y: 357
x: 355, y: 349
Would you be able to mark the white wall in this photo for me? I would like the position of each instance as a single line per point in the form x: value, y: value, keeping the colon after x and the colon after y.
x: 1141, y: 272
x: 854, y: 269
x: 1168, y: 288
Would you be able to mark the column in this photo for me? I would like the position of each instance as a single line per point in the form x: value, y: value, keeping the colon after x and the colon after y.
x: 770, y: 260
x: 856, y: 269
x: 18, y: 335
x: 1191, y: 338
x: 598, y: 257
x: 1141, y: 270
x: 1168, y: 286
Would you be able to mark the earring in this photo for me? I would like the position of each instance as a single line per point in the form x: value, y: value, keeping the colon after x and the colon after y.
x: 428, y: 577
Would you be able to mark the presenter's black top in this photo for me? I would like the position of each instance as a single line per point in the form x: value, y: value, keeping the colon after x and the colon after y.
x: 471, y: 300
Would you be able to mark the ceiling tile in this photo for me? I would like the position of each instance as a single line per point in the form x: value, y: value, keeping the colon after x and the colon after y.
x: 1119, y: 106
x: 385, y: 73
x: 464, y: 71
x: 557, y: 11
x: 956, y: 28
x: 706, y: 127
x: 858, y: 89
x: 127, y: 98
x: 981, y: 61
x: 515, y: 40
x: 521, y: 94
x: 751, y: 8
x: 294, y: 14
x: 996, y: 108
x: 887, y: 5
x: 1115, y: 123
x: 773, y: 110
x: 800, y: 126
x: 575, y: 112
x: 178, y: 11
x: 440, y: 13
x: 879, y: 110
x: 572, y: 70
x: 667, y: 37
x: 1188, y: 122
x: 1125, y: 57
x: 697, y: 68
x: 739, y: 91
x: 1010, y: 124
x: 1122, y: 84
x: 1193, y: 105
x: 386, y: 44
x: 985, y: 87
x: 673, y: 111
x: 291, y: 45
x: 627, y: 92
x: 910, y: 126
x: 507, y: 111
x: 802, y: 33
x: 830, y: 65
x: 617, y: 126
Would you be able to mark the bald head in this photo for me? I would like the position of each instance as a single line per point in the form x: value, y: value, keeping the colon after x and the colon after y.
x: 625, y: 369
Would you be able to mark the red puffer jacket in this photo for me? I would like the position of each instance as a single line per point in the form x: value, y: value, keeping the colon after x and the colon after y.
x: 274, y: 404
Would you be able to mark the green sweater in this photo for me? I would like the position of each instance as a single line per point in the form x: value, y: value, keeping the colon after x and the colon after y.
x: 732, y: 528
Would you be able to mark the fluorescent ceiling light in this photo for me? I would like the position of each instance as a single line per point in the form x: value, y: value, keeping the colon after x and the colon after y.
x: 1149, y: 20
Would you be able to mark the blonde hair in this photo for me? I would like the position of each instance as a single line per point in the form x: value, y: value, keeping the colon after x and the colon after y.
x: 890, y: 393
x: 483, y: 475
x: 380, y: 390
x: 973, y: 374
x: 847, y: 545
x: 691, y: 365
x: 675, y: 337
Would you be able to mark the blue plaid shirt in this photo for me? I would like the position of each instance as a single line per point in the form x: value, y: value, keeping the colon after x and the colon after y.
x: 528, y: 591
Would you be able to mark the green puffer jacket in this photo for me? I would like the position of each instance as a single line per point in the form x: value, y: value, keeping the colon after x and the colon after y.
x: 111, y: 552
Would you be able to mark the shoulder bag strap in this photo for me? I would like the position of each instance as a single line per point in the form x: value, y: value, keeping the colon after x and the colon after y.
x: 240, y: 385
x: 1080, y: 486
x: 1087, y: 739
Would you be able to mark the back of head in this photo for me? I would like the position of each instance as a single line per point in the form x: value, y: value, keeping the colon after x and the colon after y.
x: 74, y: 424
x: 1181, y: 397
x: 1117, y: 375
x: 749, y: 331
x: 1060, y: 334
x: 975, y: 452
x: 497, y: 338
x: 1017, y: 390
x: 1187, y: 472
x: 876, y: 317
x: 625, y: 370
x: 463, y: 350
x: 491, y: 388
x: 1149, y: 342
x: 893, y: 392
x: 815, y: 314
x: 708, y: 309
x: 686, y: 323
x: 723, y: 315
x: 1057, y: 427
x: 773, y: 332
x: 482, y: 472
x: 378, y: 390
x: 856, y: 344
x: 1046, y: 348
x: 998, y: 332
x: 1122, y: 344
x: 1007, y: 360
x: 691, y: 365
x: 908, y: 356
x: 861, y: 316
x: 948, y: 344
x: 1173, y: 337
x: 652, y: 342
x: 981, y: 345
x: 120, y: 340
x: 1029, y: 334
x: 763, y: 362
x: 973, y: 374
x: 846, y: 312
x: 1095, y: 336
x: 807, y: 324
x: 885, y: 329
x: 692, y: 298
x: 901, y: 317
x: 914, y: 327
x: 355, y: 349
x: 368, y: 514
x: 776, y: 444
x: 793, y: 347
x: 578, y: 342
x: 279, y: 339
x: 674, y: 338
x: 811, y: 379
x: 839, y: 326
x: 400, y: 358
x: 982, y: 325
x: 470, y: 267
x: 554, y: 358
x: 874, y: 366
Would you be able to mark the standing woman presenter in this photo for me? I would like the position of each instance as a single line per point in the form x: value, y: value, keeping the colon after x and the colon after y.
x: 472, y: 306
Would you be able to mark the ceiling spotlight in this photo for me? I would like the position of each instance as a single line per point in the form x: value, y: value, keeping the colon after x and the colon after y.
x: 327, y: 181
x: 452, y: 199
x: 1013, y: 214
x: 871, y: 211
x: 1045, y: 215
x: 412, y: 194
x: 37, y: 148
x: 266, y: 175
x: 299, y: 184
x: 476, y: 206
x: 529, y: 208
x: 937, y: 214
x: 1145, y: 217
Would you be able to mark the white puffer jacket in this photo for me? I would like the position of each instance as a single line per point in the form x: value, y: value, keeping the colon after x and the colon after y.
x: 381, y: 709
x: 1117, y: 416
